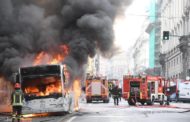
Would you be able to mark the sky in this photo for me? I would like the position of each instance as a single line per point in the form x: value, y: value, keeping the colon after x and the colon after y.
x: 127, y: 28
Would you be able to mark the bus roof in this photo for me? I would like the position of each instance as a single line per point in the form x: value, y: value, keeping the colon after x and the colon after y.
x: 40, y: 70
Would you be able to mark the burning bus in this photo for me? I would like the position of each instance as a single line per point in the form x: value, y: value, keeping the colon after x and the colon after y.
x: 44, y: 89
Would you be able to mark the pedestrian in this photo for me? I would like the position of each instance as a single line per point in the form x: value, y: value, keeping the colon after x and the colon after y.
x: 17, y: 102
x: 115, y: 94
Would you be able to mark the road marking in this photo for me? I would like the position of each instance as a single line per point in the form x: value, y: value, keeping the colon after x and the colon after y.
x: 71, y: 119
x: 110, y: 116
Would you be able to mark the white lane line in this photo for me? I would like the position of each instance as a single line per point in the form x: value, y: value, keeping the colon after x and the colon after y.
x: 108, y: 116
x: 71, y: 119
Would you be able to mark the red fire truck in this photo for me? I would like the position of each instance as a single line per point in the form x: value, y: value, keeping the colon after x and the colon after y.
x: 148, y: 89
x: 97, y: 89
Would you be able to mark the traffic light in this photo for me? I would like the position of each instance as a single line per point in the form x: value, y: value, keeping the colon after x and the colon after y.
x: 166, y: 35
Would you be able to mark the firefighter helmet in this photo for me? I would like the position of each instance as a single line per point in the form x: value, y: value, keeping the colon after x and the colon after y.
x: 17, y: 86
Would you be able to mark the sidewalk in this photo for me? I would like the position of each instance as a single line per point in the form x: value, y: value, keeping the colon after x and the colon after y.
x: 181, y: 105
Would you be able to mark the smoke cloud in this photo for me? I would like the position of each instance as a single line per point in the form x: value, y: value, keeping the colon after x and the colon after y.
x: 28, y: 27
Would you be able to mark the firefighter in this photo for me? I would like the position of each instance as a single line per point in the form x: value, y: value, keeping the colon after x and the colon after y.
x: 168, y: 96
x: 115, y: 94
x: 120, y: 93
x: 177, y: 96
x: 17, y: 102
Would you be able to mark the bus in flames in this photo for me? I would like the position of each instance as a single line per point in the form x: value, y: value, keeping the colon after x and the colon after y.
x: 45, y: 89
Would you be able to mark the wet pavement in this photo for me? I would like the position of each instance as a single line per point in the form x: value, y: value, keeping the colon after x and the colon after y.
x: 102, y: 112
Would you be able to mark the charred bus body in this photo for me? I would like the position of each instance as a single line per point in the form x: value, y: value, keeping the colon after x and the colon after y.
x: 44, y: 89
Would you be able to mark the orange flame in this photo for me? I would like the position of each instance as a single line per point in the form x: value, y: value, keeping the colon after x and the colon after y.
x: 56, y: 59
x: 45, y: 58
x: 35, y: 115
x: 77, y: 93
x: 51, y: 88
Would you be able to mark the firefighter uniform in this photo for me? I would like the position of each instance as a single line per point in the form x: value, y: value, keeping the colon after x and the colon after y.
x: 168, y: 96
x: 116, y: 94
x: 17, y: 102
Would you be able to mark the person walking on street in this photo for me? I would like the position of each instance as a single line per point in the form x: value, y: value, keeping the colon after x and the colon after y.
x: 115, y: 93
x: 17, y: 102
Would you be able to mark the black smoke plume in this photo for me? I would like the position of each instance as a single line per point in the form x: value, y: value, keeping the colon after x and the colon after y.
x: 28, y: 27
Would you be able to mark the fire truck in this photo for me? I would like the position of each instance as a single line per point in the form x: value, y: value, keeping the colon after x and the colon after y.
x: 44, y: 89
x: 148, y: 89
x: 97, y: 89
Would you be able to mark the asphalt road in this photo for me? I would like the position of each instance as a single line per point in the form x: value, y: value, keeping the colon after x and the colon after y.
x: 102, y: 112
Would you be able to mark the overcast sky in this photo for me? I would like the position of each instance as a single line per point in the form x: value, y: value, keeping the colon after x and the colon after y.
x: 128, y: 27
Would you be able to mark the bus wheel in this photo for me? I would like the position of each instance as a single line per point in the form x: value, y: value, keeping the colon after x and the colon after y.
x: 142, y: 103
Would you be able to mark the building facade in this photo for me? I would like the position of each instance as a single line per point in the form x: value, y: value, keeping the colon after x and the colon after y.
x: 175, y: 57
x: 118, y: 66
x: 154, y: 31
x: 141, y: 52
